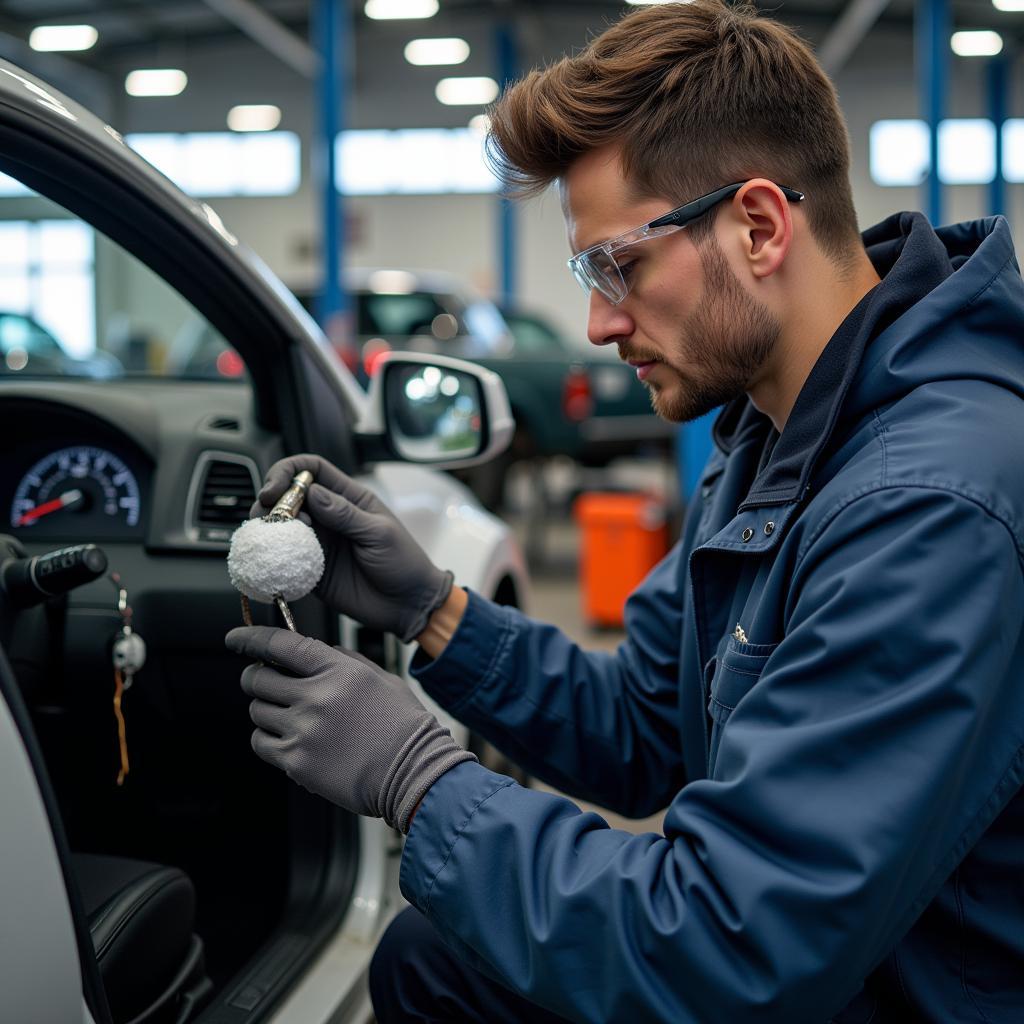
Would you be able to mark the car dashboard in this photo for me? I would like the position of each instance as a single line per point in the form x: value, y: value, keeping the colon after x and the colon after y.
x: 158, y: 474
x: 161, y: 466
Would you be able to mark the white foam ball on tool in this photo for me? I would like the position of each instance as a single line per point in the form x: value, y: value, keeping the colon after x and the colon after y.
x: 275, y: 558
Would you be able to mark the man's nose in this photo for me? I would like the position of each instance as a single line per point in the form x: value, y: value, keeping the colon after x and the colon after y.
x: 606, y: 323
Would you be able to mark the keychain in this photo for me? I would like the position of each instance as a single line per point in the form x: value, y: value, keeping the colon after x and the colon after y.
x: 129, y: 655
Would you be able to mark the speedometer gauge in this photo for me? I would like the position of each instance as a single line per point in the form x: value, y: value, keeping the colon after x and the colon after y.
x: 76, y: 490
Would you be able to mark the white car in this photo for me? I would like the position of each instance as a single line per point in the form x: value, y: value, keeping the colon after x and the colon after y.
x: 152, y: 868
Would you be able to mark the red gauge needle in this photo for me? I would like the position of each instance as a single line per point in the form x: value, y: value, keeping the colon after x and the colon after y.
x: 67, y: 498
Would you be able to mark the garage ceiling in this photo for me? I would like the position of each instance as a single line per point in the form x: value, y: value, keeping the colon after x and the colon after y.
x: 130, y: 28
x: 161, y: 33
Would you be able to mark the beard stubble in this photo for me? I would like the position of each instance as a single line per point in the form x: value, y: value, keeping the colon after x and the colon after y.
x: 723, y: 344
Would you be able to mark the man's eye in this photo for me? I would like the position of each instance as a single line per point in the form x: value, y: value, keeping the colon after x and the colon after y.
x: 625, y: 269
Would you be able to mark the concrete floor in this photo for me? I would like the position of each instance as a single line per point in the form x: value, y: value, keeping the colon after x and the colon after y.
x: 552, y: 540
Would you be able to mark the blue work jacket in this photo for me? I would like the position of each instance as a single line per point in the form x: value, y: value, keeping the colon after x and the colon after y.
x: 823, y: 682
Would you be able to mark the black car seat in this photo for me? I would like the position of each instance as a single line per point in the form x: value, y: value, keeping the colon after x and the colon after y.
x: 141, y: 919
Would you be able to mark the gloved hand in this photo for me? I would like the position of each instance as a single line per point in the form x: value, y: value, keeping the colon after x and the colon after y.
x: 340, y: 726
x: 375, y: 572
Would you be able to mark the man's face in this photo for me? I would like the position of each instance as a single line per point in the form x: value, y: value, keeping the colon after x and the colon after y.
x: 696, y: 336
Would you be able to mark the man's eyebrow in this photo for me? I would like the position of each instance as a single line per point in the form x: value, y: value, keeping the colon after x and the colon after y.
x: 599, y: 241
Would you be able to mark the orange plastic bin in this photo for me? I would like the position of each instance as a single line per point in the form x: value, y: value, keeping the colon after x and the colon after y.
x: 622, y: 537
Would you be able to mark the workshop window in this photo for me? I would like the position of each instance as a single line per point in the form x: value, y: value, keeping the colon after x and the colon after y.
x: 46, y: 273
x: 414, y: 161
x: 213, y: 164
x: 899, y: 151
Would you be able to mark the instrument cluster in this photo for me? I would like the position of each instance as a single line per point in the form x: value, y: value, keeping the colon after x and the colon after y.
x: 73, y: 484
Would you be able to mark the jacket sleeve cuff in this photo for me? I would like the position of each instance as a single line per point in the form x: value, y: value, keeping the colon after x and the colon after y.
x: 469, y: 658
x: 444, y: 815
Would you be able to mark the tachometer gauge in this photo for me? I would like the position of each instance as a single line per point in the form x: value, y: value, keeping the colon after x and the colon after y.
x: 75, y: 490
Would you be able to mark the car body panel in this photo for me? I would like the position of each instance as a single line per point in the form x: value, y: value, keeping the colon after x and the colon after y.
x: 36, y: 928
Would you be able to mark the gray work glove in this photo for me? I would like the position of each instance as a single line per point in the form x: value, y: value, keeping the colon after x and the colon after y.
x: 340, y: 726
x: 375, y: 572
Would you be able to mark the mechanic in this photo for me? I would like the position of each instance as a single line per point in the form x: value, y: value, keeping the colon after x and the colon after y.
x: 822, y: 682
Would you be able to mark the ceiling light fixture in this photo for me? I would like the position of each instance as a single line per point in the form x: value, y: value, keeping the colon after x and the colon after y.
x: 155, y: 82
x: 254, y: 117
x: 976, y: 44
x: 480, y: 123
x: 456, y: 92
x: 392, y: 10
x: 426, y: 52
x: 53, y: 38
x: 1008, y: 5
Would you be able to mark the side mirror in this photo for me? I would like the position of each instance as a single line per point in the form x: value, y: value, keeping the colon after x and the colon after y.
x: 436, y: 411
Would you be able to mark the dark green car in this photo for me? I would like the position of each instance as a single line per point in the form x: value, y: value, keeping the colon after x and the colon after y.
x: 566, y: 400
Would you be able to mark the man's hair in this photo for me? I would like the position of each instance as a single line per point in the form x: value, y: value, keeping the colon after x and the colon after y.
x: 696, y: 95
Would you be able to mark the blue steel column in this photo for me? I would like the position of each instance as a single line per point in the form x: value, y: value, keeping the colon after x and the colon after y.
x: 331, y: 42
x: 694, y: 442
x: 932, y: 31
x: 998, y: 68
x: 508, y: 234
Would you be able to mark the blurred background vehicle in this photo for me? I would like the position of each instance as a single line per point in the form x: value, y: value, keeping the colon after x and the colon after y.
x: 567, y: 400
x: 605, y: 411
x: 29, y: 348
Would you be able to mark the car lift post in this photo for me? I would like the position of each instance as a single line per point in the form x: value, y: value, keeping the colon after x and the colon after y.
x: 508, y: 253
x: 931, y: 26
x: 331, y: 34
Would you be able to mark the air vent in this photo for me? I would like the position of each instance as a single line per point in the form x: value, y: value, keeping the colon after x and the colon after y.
x: 231, y: 423
x: 225, y: 495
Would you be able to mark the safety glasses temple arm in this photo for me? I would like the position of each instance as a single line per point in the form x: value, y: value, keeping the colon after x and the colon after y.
x: 691, y: 211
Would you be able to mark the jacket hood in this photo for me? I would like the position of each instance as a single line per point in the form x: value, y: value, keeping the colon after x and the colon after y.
x: 950, y: 306
x: 969, y: 326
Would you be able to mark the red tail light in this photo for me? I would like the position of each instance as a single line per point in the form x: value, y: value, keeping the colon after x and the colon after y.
x: 229, y: 363
x: 374, y: 351
x: 577, y: 400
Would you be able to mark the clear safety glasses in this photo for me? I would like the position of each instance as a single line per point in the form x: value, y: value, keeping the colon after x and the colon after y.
x: 598, y: 267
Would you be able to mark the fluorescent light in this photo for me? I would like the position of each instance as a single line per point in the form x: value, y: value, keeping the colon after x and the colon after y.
x: 976, y: 44
x: 386, y: 10
x: 62, y: 37
x: 1008, y: 5
x: 254, y: 117
x: 481, y: 123
x: 423, y: 52
x: 648, y: 3
x: 155, y: 82
x: 454, y: 92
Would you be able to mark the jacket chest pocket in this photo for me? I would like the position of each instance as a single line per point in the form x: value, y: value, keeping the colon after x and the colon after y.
x: 730, y: 677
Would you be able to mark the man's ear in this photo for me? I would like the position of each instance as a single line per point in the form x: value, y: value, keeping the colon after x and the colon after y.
x: 766, y: 223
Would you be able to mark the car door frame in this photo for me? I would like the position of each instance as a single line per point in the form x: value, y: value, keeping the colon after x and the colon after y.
x: 94, y: 176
